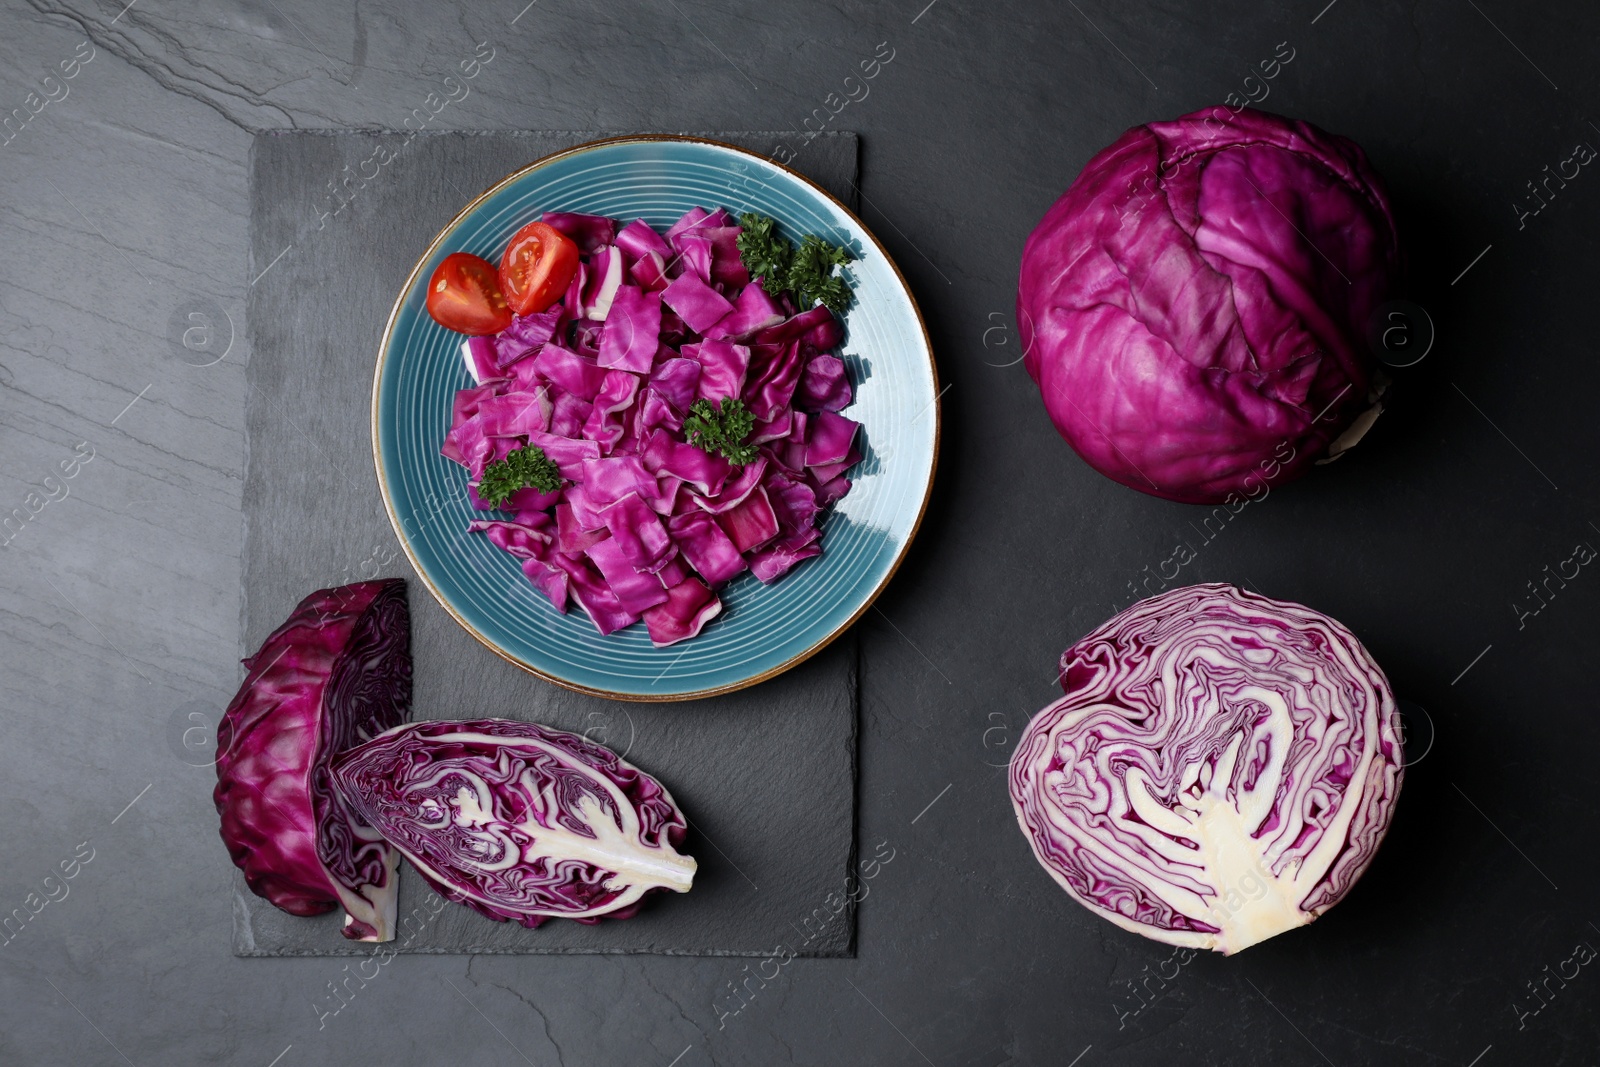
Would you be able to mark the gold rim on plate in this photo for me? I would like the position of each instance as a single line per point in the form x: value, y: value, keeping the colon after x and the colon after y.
x: 405, y: 545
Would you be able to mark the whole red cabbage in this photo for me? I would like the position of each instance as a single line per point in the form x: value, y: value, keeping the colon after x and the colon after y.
x: 1222, y: 768
x: 518, y: 821
x: 336, y: 673
x: 1193, y: 307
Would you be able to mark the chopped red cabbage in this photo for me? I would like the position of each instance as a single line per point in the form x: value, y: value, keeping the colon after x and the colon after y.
x: 831, y: 435
x: 645, y: 525
x: 638, y: 240
x: 525, y: 334
x: 481, y: 358
x: 576, y: 373
x: 706, y: 547
x: 824, y: 386
x: 753, y: 311
x: 700, y: 306
x: 752, y: 522
x: 632, y: 332
x: 635, y: 591
x: 589, y: 232
x: 773, y: 563
x: 690, y: 605
x: 722, y: 368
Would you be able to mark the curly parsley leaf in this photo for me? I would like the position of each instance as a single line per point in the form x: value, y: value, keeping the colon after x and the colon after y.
x: 811, y: 274
x: 807, y: 272
x: 721, y: 430
x: 765, y: 254
x: 527, y: 467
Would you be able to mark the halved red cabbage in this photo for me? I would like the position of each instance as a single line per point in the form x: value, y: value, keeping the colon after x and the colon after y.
x: 1194, y: 308
x: 336, y: 673
x: 1222, y: 768
x: 517, y: 821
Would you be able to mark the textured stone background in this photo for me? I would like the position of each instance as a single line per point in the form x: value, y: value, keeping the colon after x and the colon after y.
x: 127, y: 199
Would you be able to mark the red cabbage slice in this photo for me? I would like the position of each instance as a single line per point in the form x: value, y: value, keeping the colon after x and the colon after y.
x: 526, y: 334
x: 675, y: 380
x: 690, y: 605
x: 823, y: 473
x: 481, y: 358
x: 608, y: 480
x: 649, y: 271
x: 831, y: 437
x: 753, y: 311
x: 590, y: 233
x: 772, y: 381
x: 1222, y: 768
x: 337, y: 672
x: 704, y: 470
x: 590, y: 590
x: 574, y: 372
x: 571, y: 537
x: 774, y: 562
x: 734, y: 491
x: 568, y: 417
x: 550, y: 580
x: 632, y: 331
x: 705, y: 546
x: 752, y: 523
x: 521, y: 539
x: 636, y: 529
x: 605, y: 280
x: 638, y: 239
x: 824, y: 386
x: 517, y: 821
x: 700, y: 306
x: 802, y: 327
x: 635, y: 591
x: 604, y: 424
x: 722, y: 368
x: 694, y: 256
x: 690, y: 218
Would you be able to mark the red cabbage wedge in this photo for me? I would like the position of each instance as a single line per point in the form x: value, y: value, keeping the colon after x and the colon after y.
x: 336, y: 673
x: 518, y: 821
x: 1222, y: 768
x: 1193, y: 308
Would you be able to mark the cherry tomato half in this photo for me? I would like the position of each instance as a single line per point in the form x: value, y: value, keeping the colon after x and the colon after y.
x: 464, y: 295
x: 537, y: 268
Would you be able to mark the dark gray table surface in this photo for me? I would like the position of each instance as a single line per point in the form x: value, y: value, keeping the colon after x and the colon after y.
x: 124, y: 199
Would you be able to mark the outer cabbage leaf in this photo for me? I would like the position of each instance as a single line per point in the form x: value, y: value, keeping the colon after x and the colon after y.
x: 1222, y: 768
x: 336, y: 673
x: 1193, y: 308
x: 518, y: 821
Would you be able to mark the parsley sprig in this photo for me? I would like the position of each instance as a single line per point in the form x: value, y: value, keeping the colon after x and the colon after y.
x: 721, y: 430
x: 523, y: 468
x: 806, y: 271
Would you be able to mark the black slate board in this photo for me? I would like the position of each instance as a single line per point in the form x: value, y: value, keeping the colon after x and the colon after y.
x: 766, y: 776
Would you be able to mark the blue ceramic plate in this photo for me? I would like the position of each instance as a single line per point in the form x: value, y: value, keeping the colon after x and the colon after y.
x: 763, y: 629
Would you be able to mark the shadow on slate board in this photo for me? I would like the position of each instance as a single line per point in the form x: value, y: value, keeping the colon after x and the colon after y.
x: 766, y: 775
